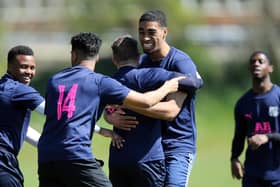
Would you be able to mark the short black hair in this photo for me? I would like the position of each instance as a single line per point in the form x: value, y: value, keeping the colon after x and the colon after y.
x: 87, y: 43
x: 154, y: 15
x: 125, y: 48
x: 263, y: 53
x: 19, y: 50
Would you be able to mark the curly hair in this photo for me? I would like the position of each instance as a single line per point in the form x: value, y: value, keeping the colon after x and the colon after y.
x: 87, y: 43
x: 18, y: 50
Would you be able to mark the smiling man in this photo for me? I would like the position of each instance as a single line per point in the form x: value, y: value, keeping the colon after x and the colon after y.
x: 17, y: 100
x: 179, y: 135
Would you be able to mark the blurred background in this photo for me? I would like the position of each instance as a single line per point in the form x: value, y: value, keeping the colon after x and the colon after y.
x: 219, y: 35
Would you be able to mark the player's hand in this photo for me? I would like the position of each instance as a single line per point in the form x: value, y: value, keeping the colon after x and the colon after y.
x: 237, y: 169
x: 122, y: 121
x: 117, y: 140
x: 173, y: 84
x: 257, y: 140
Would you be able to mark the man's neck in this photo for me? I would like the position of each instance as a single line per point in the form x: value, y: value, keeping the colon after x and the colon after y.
x: 159, y: 55
x: 262, y: 86
x: 131, y: 63
x: 90, y: 64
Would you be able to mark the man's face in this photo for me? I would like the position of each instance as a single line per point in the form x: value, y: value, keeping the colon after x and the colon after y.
x: 260, y: 66
x: 23, y: 69
x: 151, y: 36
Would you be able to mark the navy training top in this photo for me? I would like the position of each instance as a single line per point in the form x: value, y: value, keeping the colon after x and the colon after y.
x: 75, y: 98
x: 179, y: 135
x: 143, y: 143
x: 17, y: 100
x: 258, y: 114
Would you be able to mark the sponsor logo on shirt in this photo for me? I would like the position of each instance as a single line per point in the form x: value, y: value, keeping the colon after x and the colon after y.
x: 273, y: 111
x: 262, y: 127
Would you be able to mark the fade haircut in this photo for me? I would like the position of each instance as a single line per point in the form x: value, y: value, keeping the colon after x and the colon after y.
x: 19, y: 50
x: 125, y: 48
x: 86, y: 44
x: 154, y: 15
x: 263, y: 53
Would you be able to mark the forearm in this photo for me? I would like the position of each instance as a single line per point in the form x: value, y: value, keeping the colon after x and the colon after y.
x: 103, y: 131
x: 32, y: 136
x: 145, y: 100
x: 274, y: 137
x: 148, y: 99
x: 237, y: 146
x: 164, y: 110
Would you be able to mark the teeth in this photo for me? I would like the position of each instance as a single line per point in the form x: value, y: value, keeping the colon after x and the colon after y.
x: 147, y: 45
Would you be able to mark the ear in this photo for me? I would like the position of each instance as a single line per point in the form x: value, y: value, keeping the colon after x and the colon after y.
x: 271, y: 68
x: 165, y: 31
x: 97, y: 57
x: 114, y: 61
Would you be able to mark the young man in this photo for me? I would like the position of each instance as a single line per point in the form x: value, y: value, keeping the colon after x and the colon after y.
x: 17, y: 100
x: 141, y: 161
x: 75, y: 98
x: 256, y: 117
x: 179, y: 135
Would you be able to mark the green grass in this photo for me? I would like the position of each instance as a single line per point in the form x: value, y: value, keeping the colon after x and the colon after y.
x: 215, y: 129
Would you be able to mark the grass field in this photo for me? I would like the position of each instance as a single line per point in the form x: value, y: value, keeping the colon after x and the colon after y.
x: 215, y: 130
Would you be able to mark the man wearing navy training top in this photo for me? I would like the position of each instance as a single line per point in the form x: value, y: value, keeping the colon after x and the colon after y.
x: 179, y: 135
x: 17, y: 100
x: 140, y: 162
x: 75, y: 98
x: 257, y: 120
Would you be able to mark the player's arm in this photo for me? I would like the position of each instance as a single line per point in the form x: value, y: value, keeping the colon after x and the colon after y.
x: 41, y: 108
x: 187, y: 67
x: 117, y: 141
x: 237, y: 169
x: 190, y: 84
x: 32, y: 136
x: 257, y: 140
x: 151, y: 98
x: 274, y: 137
x: 166, y: 110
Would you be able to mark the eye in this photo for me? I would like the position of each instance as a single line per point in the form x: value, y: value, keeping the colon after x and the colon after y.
x: 152, y: 32
x: 261, y: 61
x: 23, y: 66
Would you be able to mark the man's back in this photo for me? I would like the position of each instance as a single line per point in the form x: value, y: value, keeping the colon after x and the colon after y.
x: 75, y: 99
x: 144, y: 142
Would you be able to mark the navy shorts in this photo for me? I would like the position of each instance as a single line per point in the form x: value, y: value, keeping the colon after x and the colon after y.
x: 10, y: 174
x: 72, y: 174
x: 249, y: 181
x: 147, y: 174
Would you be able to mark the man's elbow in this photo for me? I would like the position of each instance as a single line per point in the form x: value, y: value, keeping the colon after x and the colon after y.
x: 172, y: 114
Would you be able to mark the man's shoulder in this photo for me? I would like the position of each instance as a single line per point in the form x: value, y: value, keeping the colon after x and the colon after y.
x: 179, y: 53
x: 245, y: 97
